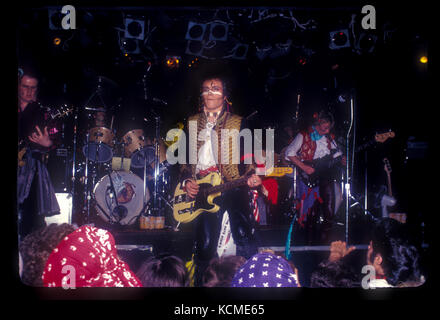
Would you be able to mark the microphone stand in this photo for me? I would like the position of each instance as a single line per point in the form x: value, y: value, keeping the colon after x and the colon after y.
x: 120, y: 211
x: 347, y: 172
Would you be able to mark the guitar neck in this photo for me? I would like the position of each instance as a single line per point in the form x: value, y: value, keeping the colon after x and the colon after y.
x: 228, y: 185
x: 390, y: 192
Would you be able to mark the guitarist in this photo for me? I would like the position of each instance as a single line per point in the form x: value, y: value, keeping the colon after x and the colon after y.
x: 215, y: 116
x: 35, y: 193
x: 314, y: 143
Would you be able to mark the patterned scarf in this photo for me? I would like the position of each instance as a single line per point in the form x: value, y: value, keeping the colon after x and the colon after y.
x: 88, y: 258
x: 265, y: 270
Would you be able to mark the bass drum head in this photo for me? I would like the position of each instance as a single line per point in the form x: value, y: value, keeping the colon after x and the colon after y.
x: 129, y: 191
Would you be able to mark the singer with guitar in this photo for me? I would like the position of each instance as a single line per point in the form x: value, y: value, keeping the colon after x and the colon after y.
x: 35, y: 193
x: 237, y: 202
x: 315, y: 194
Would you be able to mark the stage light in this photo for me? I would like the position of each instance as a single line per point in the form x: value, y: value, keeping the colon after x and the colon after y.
x: 240, y: 51
x: 302, y: 61
x: 134, y: 28
x: 130, y: 46
x: 339, y: 39
x: 218, y: 31
x: 56, y: 41
x: 196, y: 31
x: 366, y: 43
x: 173, y: 62
x: 55, y: 17
x: 194, y: 48
x: 423, y: 59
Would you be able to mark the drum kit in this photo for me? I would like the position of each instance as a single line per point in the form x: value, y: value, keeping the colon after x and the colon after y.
x: 122, y: 175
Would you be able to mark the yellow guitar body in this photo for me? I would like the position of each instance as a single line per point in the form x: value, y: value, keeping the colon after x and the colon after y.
x: 184, y: 210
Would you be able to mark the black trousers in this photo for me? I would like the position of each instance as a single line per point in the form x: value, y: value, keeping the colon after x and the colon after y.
x: 237, y: 203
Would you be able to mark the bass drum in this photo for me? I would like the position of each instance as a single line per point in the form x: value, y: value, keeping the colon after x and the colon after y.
x: 129, y: 190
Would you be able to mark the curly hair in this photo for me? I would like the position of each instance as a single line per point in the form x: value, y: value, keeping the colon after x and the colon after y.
x: 334, y: 274
x: 163, y: 271
x: 36, y: 248
x: 220, y: 271
x: 400, y: 258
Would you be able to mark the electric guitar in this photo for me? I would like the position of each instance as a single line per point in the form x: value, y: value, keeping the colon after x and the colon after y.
x: 186, y: 209
x: 323, y: 166
x: 24, y: 144
x: 390, y: 200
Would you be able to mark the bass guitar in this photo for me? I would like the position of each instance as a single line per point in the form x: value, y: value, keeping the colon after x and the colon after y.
x: 186, y: 209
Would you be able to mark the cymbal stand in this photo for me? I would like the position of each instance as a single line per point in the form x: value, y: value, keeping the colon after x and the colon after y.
x: 75, y: 126
x: 156, y: 161
x: 97, y: 93
x: 347, y: 188
x: 86, y: 178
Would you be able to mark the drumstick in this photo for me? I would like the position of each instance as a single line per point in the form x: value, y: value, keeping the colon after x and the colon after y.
x: 111, y: 123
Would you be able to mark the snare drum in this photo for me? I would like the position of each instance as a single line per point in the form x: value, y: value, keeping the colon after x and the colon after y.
x: 100, y: 146
x: 129, y: 190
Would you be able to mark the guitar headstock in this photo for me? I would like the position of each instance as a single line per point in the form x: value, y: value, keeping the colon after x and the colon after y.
x: 387, y: 166
x: 382, y: 137
x: 278, y: 171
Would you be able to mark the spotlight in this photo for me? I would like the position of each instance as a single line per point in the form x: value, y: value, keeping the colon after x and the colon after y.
x: 196, y: 31
x: 194, y: 48
x: 134, y: 28
x: 423, y: 59
x: 240, y: 51
x: 366, y: 43
x: 218, y: 31
x: 173, y: 62
x: 339, y: 39
x: 56, y: 41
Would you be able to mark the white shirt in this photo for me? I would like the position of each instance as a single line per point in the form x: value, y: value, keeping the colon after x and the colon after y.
x: 321, y: 147
x: 206, y: 157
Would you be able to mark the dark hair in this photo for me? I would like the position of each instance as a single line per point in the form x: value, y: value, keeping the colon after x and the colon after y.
x: 28, y: 71
x: 163, y: 271
x: 334, y: 274
x: 220, y: 271
x: 400, y: 258
x: 212, y: 76
x: 325, y: 116
x: 36, y: 248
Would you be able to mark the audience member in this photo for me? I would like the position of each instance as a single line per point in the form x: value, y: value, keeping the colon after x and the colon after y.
x: 220, y: 271
x: 36, y: 248
x: 335, y: 274
x: 87, y: 257
x: 163, y: 271
x: 265, y: 270
x: 394, y: 258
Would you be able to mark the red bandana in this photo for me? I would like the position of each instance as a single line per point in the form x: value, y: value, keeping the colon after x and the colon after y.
x: 88, y: 258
